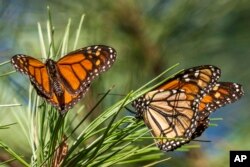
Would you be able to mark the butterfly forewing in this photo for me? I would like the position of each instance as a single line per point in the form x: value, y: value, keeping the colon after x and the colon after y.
x: 222, y: 93
x: 194, y: 79
x: 79, y: 68
x: 36, y: 71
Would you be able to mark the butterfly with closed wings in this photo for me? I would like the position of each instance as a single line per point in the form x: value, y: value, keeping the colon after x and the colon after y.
x: 177, y: 111
x: 64, y: 82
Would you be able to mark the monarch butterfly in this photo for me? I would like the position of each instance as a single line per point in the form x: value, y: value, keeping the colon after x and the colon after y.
x: 65, y: 82
x: 177, y: 111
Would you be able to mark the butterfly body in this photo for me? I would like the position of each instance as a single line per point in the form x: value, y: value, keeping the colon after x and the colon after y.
x: 54, y: 77
x: 177, y: 111
x: 64, y: 82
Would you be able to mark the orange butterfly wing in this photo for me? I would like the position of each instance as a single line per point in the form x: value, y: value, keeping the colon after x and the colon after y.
x: 36, y: 71
x: 67, y: 101
x: 222, y: 93
x: 195, y: 81
x: 79, y: 68
x: 65, y: 82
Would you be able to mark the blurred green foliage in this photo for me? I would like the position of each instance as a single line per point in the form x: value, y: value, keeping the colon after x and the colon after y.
x: 149, y: 37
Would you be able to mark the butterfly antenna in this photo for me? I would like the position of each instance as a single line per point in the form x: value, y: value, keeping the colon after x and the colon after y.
x: 129, y: 110
x: 202, y: 140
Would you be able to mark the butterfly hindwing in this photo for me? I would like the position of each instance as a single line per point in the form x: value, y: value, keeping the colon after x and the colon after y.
x: 67, y: 101
x: 170, y: 117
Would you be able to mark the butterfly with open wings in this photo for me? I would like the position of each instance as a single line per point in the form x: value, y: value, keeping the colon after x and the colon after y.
x: 64, y: 82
